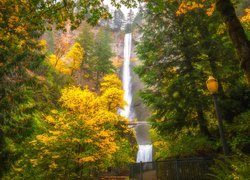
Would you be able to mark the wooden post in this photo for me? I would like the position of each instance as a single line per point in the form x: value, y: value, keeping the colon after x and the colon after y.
x: 141, y: 171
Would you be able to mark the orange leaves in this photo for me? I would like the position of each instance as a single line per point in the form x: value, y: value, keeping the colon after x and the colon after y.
x: 186, y: 6
x: 12, y: 21
x: 190, y: 5
x: 211, y: 10
x: 87, y: 159
x: 246, y: 19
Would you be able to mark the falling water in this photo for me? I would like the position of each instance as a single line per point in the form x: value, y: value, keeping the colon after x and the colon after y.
x: 126, y: 77
x: 145, y: 151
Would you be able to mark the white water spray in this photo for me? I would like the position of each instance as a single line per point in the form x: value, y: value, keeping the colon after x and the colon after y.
x: 126, y: 77
x: 145, y: 151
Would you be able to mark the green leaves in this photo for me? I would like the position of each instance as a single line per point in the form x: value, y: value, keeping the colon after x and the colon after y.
x: 178, y: 53
x: 97, y: 61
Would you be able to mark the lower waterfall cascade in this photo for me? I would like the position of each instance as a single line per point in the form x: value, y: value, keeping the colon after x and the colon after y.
x: 144, y: 153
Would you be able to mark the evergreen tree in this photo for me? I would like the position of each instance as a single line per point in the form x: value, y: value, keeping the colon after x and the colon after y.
x: 129, y: 21
x: 98, y: 52
x: 102, y: 64
x: 118, y: 20
x: 176, y: 63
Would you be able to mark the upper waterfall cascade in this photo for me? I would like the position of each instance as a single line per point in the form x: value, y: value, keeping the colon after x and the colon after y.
x: 145, y: 151
x: 126, y: 77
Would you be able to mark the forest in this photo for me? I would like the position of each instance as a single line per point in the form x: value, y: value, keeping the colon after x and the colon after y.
x: 61, y: 86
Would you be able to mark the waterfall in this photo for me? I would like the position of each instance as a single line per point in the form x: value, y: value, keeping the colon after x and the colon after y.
x: 126, y: 77
x: 145, y: 151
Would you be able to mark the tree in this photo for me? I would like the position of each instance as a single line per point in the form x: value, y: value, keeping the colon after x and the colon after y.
x: 233, y: 25
x: 98, y: 54
x: 175, y: 65
x: 26, y: 82
x: 129, y: 21
x: 118, y: 20
x: 103, y: 53
x: 74, y: 57
x: 236, y: 33
x: 69, y: 62
x: 88, y: 135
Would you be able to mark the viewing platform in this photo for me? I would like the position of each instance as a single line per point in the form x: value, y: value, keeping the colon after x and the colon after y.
x: 135, y: 123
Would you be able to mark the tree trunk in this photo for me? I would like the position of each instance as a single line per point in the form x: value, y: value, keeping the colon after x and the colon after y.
x: 236, y: 33
x: 202, y: 121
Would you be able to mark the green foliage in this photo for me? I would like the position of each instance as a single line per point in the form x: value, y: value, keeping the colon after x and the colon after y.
x: 231, y: 168
x: 85, y: 135
x: 178, y: 53
x: 240, y: 130
x: 22, y: 110
x: 185, y: 143
x: 98, y: 52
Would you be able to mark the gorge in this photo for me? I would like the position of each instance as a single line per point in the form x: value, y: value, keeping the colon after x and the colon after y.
x: 144, y: 153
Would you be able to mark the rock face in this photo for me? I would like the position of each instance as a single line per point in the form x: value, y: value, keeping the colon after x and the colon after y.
x: 141, y: 111
x: 118, y: 44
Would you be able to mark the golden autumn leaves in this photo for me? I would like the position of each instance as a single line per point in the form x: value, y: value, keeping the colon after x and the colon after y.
x: 186, y: 6
x: 70, y: 62
x: 88, y: 132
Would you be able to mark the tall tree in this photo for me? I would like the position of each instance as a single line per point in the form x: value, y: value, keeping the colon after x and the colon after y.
x: 23, y: 87
x: 176, y: 61
x: 236, y: 33
x: 103, y: 53
x: 118, y: 20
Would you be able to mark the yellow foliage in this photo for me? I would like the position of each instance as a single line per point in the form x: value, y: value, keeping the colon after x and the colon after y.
x: 43, y: 44
x: 87, y: 159
x: 112, y: 98
x: 55, y: 156
x: 77, y: 100
x: 34, y: 162
x: 89, y: 128
x: 110, y: 81
x: 53, y: 166
x: 58, y: 64
x: 42, y: 138
x: 54, y: 111
x: 211, y: 10
x: 246, y: 19
x: 55, y: 133
x: 186, y: 6
x: 74, y: 57
x: 71, y: 62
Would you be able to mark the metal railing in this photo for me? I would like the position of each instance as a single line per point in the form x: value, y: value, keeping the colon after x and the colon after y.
x: 174, y: 169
